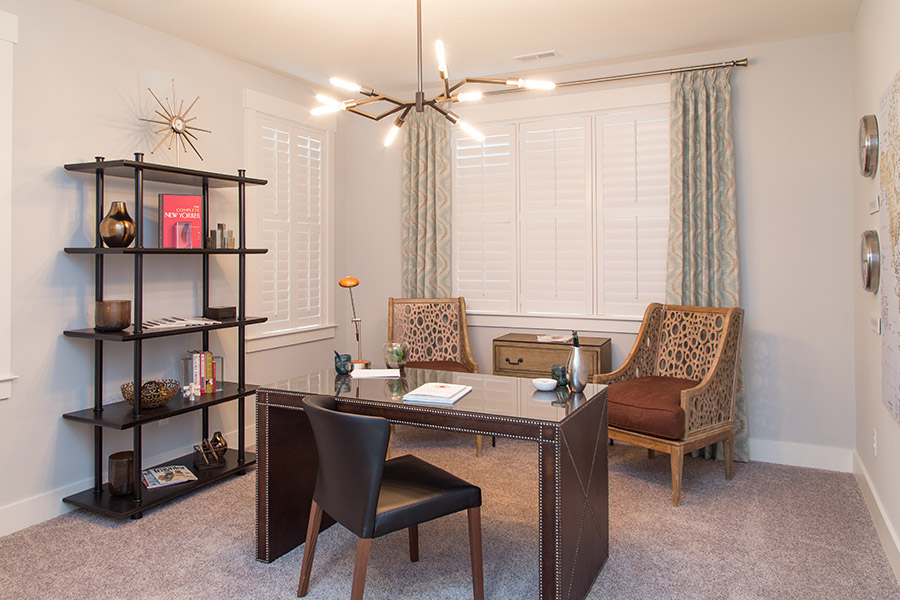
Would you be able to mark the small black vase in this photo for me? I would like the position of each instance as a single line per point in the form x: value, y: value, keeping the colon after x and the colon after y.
x: 117, y: 227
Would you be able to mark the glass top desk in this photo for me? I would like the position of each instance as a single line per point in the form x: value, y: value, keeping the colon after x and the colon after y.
x: 570, y: 430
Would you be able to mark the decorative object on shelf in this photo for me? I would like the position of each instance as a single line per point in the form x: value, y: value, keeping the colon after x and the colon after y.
x: 218, y: 443
x: 447, y: 95
x: 558, y: 372
x: 342, y: 363
x: 396, y: 354
x: 154, y: 392
x: 870, y: 260
x: 220, y: 237
x: 203, y: 372
x: 163, y: 323
x: 180, y: 221
x: 117, y: 227
x: 112, y: 315
x: 175, y: 124
x: 576, y: 366
x: 868, y: 145
x: 350, y: 283
x: 121, y: 473
x: 220, y: 313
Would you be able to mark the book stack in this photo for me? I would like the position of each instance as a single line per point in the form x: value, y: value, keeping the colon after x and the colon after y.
x: 437, y: 394
x: 201, y: 370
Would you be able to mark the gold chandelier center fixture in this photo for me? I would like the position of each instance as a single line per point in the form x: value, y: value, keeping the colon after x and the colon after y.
x: 449, y: 93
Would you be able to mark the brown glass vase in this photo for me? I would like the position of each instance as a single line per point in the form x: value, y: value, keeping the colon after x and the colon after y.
x: 117, y: 227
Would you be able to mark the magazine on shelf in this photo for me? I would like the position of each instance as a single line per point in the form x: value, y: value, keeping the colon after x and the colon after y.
x: 176, y: 323
x: 168, y: 475
x: 443, y: 394
x: 180, y: 221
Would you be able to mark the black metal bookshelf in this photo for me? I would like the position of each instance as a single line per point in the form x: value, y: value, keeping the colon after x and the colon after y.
x: 121, y: 415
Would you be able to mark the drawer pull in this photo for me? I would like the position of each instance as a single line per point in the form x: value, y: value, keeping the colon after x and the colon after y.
x: 509, y: 362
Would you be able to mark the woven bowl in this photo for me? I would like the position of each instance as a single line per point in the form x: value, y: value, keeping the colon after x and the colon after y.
x: 154, y: 392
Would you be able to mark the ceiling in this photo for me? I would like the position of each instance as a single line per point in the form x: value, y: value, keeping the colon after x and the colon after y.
x: 374, y: 42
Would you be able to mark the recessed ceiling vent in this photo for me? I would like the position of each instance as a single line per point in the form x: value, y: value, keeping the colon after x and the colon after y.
x: 536, y: 56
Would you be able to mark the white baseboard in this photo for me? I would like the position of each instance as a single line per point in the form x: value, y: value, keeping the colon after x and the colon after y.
x: 802, y: 455
x: 48, y: 505
x: 890, y: 541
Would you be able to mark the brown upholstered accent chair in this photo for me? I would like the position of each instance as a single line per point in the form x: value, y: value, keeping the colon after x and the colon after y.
x: 437, y: 335
x: 675, y: 392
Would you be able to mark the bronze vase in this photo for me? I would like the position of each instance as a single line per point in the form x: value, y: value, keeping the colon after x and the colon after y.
x: 117, y: 227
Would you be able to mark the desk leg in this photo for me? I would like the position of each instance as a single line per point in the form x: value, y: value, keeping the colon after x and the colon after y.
x: 286, y: 478
x: 574, y: 504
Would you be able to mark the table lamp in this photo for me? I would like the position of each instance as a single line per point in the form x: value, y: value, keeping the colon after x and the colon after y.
x: 350, y: 283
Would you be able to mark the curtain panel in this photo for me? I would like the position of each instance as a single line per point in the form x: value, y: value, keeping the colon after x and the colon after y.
x: 425, y: 248
x: 703, y: 267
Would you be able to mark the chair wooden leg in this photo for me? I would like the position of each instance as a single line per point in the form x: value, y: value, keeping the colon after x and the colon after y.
x: 414, y: 543
x: 475, y: 552
x: 388, y: 455
x: 728, y: 443
x: 309, y: 549
x: 478, y: 445
x: 651, y: 453
x: 363, y: 545
x: 677, y: 463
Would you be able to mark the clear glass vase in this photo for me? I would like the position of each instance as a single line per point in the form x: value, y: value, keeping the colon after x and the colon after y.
x: 396, y: 354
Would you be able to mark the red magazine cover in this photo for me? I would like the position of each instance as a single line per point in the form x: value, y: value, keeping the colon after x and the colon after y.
x: 180, y: 223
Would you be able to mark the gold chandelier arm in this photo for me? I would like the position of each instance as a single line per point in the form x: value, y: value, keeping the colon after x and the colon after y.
x: 386, y: 113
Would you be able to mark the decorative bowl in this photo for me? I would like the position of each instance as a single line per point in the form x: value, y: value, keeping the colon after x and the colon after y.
x: 154, y: 392
x: 545, y: 384
x: 112, y: 315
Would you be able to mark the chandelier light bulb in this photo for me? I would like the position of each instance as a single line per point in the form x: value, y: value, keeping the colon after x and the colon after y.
x: 441, y: 58
x: 347, y: 85
x: 469, y: 96
x: 327, y: 100
x: 326, y: 109
x: 471, y: 130
x: 389, y: 138
x: 538, y: 84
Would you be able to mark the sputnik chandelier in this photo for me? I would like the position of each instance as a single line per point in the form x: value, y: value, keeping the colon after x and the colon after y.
x: 449, y: 93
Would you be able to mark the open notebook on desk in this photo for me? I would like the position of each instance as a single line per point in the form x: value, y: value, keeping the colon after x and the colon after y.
x: 440, y: 394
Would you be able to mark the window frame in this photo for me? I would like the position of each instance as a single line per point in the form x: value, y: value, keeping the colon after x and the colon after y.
x: 257, y: 105
x: 564, y: 104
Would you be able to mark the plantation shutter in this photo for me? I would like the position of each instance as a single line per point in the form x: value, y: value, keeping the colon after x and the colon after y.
x: 290, y: 224
x: 483, y: 224
x: 633, y: 189
x: 556, y: 214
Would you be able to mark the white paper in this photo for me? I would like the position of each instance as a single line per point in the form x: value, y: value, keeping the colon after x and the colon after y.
x: 375, y: 373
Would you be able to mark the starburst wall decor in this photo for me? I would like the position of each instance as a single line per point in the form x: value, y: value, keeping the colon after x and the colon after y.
x: 175, y: 122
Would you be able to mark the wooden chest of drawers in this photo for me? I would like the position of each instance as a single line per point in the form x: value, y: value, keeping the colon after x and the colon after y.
x: 521, y: 355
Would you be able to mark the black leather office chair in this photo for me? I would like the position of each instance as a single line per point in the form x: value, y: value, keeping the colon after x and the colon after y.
x: 372, y: 496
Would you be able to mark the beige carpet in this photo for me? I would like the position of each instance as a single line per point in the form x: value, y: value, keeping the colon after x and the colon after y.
x: 772, y: 532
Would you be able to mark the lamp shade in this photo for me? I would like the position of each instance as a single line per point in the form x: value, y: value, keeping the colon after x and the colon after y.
x: 348, y: 282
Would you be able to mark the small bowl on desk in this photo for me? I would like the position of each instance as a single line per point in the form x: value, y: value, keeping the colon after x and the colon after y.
x: 544, y: 384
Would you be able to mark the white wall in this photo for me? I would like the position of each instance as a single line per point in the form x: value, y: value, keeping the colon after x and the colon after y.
x: 81, y: 79
x: 876, y: 59
x: 794, y: 134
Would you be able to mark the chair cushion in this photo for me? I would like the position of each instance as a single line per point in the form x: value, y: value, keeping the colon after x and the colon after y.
x: 414, y: 491
x: 649, y: 405
x: 438, y: 365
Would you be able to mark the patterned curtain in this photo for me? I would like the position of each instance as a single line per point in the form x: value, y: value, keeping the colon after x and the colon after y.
x: 703, y: 267
x: 426, y: 206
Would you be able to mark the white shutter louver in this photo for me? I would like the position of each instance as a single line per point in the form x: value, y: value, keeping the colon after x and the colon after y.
x: 290, y: 225
x: 484, y: 248
x: 633, y: 171
x: 556, y: 217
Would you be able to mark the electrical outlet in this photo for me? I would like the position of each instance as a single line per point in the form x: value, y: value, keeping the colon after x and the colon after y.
x: 874, y: 441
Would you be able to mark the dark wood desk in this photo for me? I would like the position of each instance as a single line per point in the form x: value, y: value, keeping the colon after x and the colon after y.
x: 570, y: 430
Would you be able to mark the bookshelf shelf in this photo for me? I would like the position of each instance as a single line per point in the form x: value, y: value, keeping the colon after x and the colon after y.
x: 121, y: 415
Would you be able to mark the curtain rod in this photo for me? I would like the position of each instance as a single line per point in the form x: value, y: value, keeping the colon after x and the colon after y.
x: 719, y: 65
